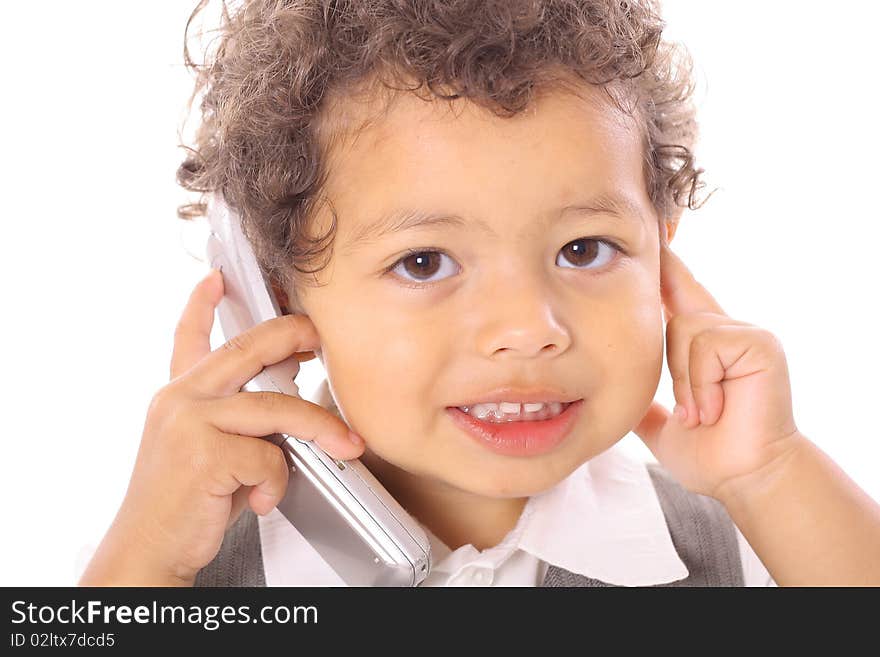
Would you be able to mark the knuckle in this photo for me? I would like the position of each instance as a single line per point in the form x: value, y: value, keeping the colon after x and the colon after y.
x: 158, y: 403
x: 296, y: 321
x: 275, y: 459
x: 317, y: 423
x: 242, y: 343
x: 676, y: 358
x: 681, y: 388
x: 708, y: 317
x: 772, y: 342
x: 299, y: 325
x: 314, y: 420
x: 270, y: 402
x: 165, y: 406
x: 701, y: 341
x: 202, y: 462
x: 278, y: 475
x: 173, y: 408
x: 205, y: 456
x: 673, y: 326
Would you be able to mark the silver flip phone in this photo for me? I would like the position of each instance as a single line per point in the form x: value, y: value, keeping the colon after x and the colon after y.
x: 338, y: 506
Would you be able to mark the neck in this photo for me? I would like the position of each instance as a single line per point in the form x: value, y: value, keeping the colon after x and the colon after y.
x: 457, y: 517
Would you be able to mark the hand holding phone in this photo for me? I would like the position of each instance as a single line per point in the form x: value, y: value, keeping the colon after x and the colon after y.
x: 202, y: 456
x: 338, y: 506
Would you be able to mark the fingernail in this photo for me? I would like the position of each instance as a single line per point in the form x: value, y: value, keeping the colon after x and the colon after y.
x: 356, y: 439
x: 680, y: 412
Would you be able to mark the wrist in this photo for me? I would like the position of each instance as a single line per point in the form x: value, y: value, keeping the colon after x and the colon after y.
x: 124, y: 558
x: 749, y: 489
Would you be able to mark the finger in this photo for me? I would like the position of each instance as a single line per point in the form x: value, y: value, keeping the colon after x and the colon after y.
x: 192, y: 337
x: 717, y: 355
x: 261, y: 414
x: 247, y: 461
x: 680, y: 291
x: 226, y: 369
x: 680, y: 332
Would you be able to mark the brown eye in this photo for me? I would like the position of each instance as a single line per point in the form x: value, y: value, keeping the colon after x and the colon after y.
x: 586, y: 251
x: 422, y: 265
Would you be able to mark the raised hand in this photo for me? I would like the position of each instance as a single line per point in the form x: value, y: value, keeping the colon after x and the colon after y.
x: 733, y: 416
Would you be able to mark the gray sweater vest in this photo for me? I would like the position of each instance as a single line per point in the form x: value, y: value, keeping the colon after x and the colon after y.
x: 702, y: 532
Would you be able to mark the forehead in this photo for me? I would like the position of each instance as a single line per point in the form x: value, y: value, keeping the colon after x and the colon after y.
x: 457, y: 157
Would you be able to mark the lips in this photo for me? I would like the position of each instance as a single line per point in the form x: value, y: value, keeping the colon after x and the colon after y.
x: 518, y: 394
x: 521, y: 437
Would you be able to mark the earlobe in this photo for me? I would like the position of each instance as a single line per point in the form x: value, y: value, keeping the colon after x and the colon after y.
x: 285, y: 306
x: 281, y: 297
x: 670, y: 230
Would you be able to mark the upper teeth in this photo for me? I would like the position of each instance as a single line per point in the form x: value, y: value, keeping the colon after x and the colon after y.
x: 508, y: 409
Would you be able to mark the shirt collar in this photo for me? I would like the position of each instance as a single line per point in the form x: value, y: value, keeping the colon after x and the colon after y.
x: 603, y: 521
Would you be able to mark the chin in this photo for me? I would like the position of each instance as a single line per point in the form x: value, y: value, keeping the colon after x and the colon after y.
x: 523, y: 480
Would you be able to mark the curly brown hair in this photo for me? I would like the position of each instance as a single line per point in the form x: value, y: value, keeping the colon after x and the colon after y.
x: 284, y: 68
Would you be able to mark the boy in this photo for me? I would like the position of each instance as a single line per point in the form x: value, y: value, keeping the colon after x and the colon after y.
x: 495, y: 242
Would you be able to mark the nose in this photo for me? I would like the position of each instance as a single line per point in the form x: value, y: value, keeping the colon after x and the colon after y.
x: 519, y: 319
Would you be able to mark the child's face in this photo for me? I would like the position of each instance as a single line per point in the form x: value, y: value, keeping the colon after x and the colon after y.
x: 507, y: 304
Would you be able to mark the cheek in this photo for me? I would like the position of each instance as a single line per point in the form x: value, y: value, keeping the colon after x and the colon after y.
x: 382, y: 375
x: 623, y: 338
x: 636, y: 351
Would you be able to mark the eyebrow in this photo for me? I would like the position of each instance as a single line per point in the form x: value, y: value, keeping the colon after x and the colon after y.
x: 398, y: 221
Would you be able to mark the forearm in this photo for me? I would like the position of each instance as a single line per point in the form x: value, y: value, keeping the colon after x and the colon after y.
x: 118, y: 561
x: 809, y: 523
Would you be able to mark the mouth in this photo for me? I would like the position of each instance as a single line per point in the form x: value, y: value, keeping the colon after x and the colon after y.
x: 515, y: 411
x: 523, y: 431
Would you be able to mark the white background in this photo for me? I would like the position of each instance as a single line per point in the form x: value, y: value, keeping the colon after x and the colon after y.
x: 95, y: 267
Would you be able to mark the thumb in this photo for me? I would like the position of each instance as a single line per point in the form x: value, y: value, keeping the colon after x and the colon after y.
x: 650, y: 426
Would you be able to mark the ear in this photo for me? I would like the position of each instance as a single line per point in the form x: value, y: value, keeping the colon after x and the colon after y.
x: 284, y: 303
x: 670, y: 230
x: 281, y: 296
x: 670, y: 224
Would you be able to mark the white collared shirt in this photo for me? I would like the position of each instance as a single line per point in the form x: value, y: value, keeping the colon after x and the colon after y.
x: 620, y: 537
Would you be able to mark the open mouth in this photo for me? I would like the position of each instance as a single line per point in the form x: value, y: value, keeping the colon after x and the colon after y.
x: 519, y: 435
x: 514, y: 412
